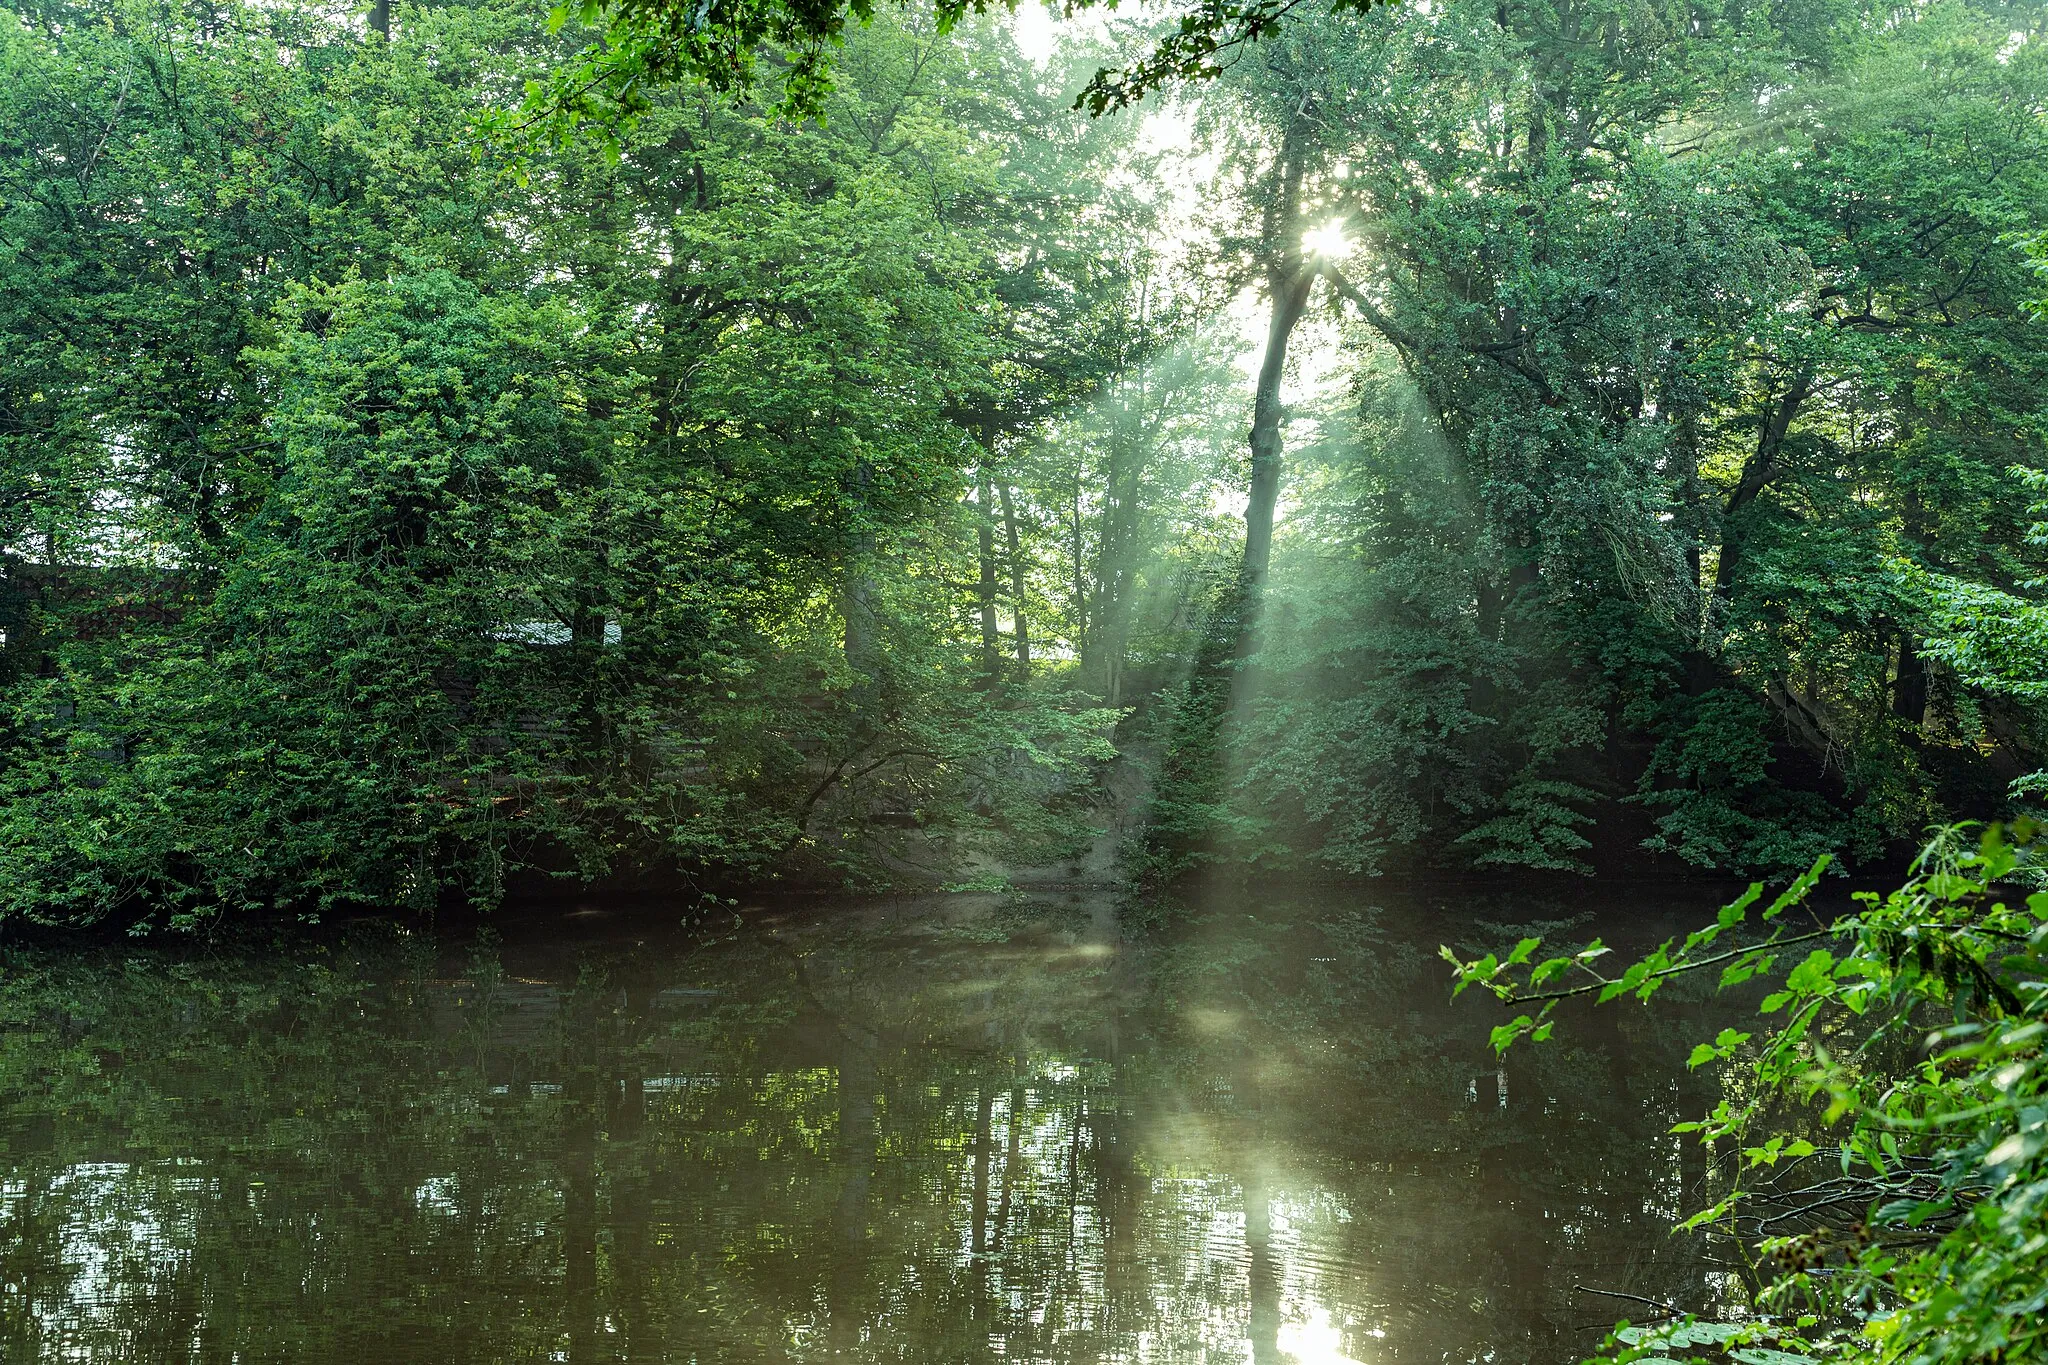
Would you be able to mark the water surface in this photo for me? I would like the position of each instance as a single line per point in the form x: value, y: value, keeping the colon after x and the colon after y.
x: 957, y: 1129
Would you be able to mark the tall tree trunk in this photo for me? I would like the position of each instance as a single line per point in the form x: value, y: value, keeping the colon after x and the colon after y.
x: 380, y: 19
x: 1290, y: 301
x: 1082, y: 624
x: 1116, y: 557
x: 1909, y: 691
x: 1757, y: 473
x: 857, y: 592
x: 1685, y: 447
x: 985, y: 589
x: 857, y: 606
x: 1017, y: 615
x: 1289, y: 277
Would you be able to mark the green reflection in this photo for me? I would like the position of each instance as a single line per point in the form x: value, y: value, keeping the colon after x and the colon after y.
x: 931, y: 1131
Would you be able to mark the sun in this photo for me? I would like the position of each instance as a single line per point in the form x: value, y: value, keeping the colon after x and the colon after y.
x: 1327, y: 240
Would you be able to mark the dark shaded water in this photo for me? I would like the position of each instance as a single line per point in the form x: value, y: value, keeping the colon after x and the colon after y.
x: 953, y: 1130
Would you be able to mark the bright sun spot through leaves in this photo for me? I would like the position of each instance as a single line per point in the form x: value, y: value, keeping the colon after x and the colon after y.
x: 1327, y: 242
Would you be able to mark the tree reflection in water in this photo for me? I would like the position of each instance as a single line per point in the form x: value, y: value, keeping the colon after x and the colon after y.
x: 949, y: 1130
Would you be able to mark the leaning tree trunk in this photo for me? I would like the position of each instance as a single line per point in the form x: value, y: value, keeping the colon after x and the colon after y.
x: 1289, y: 277
x: 1290, y: 301
x: 1763, y: 466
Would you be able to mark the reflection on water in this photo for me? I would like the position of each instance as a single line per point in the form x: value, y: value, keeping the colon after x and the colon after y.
x: 968, y: 1129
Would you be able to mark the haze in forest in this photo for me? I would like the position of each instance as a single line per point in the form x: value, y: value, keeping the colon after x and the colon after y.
x: 415, y: 494
x: 1011, y: 570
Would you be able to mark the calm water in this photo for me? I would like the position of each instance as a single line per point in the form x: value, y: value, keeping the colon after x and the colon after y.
x: 954, y: 1130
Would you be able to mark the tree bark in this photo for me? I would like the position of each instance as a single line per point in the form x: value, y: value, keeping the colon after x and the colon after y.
x: 1909, y: 691
x: 1289, y: 277
x: 1017, y: 616
x: 1290, y: 301
x: 1757, y: 472
x: 857, y: 594
x: 1077, y: 572
x: 985, y: 589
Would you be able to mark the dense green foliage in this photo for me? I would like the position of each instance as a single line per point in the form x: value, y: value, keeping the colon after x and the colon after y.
x: 1680, y: 496
x: 724, y: 44
x: 1880, y: 1152
x: 379, y: 521
x: 809, y: 477
x: 454, y: 446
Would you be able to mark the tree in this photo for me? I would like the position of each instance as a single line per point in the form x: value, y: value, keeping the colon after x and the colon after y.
x: 599, y: 522
x: 648, y: 44
x: 1584, y: 264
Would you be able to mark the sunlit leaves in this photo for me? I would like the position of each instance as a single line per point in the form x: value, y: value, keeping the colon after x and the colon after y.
x: 1721, y: 1049
x: 507, y: 522
x: 1943, y: 1158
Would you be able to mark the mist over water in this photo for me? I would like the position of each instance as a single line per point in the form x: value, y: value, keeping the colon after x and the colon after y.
x: 962, y: 1128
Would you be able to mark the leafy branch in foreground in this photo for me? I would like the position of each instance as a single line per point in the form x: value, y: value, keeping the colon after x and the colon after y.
x: 1878, y: 1155
x: 649, y: 45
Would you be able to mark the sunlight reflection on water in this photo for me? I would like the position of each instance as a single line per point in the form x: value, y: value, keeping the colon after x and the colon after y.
x: 957, y: 1129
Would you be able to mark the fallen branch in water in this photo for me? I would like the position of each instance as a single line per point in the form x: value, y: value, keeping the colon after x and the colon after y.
x: 1670, y: 1310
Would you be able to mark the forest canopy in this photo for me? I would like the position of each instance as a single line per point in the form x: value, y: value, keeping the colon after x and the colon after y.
x: 724, y: 44
x: 416, y: 479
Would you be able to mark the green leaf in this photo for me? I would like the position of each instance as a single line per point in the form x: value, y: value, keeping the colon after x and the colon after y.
x: 1814, y: 976
x: 1796, y: 892
x: 1737, y: 910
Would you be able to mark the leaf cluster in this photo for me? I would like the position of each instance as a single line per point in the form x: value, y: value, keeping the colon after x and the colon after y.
x: 1879, y: 1150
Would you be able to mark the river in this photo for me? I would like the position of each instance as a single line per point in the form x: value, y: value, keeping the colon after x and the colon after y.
x: 965, y: 1128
